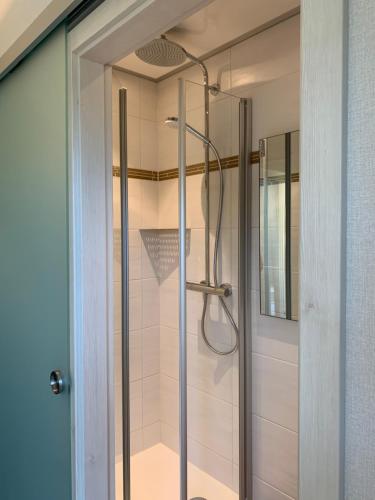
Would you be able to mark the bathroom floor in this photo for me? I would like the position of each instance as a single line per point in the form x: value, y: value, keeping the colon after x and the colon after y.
x: 155, y: 475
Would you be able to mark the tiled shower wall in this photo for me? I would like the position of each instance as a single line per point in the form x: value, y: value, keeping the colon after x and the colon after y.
x: 265, y: 68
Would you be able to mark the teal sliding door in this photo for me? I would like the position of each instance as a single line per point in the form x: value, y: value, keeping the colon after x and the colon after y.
x: 34, y: 302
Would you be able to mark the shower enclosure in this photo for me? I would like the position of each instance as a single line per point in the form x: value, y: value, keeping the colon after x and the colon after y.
x: 202, y: 389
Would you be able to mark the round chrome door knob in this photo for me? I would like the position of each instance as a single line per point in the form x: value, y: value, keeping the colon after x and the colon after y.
x: 56, y: 382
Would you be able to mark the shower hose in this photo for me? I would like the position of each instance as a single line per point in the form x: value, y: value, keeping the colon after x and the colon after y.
x: 215, y: 264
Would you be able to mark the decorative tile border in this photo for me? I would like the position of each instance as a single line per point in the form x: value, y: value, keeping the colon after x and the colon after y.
x: 280, y: 179
x: 137, y: 173
x: 172, y: 173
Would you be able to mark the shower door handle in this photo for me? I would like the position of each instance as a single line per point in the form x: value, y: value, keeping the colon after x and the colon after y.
x: 56, y: 382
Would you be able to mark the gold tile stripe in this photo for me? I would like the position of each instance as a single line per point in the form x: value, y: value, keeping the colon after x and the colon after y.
x: 172, y: 173
x: 137, y: 173
x: 280, y: 179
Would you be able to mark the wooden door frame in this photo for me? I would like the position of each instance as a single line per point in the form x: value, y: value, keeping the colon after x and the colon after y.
x: 112, y: 30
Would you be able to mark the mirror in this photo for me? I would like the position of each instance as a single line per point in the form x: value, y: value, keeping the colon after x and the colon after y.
x: 279, y: 225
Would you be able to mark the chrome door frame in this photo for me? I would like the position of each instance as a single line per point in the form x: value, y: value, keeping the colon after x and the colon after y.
x: 124, y: 296
x: 244, y: 300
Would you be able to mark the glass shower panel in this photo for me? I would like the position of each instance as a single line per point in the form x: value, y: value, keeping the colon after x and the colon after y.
x: 212, y: 319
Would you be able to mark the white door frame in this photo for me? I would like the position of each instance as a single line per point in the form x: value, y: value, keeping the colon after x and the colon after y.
x: 110, y: 32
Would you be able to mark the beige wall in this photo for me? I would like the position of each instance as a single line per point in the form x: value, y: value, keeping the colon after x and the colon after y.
x: 15, y: 17
x: 22, y: 22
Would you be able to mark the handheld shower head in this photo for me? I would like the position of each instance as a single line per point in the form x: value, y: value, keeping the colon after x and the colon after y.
x: 172, y: 121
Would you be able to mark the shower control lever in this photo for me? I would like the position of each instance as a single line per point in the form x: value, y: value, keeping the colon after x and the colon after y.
x: 223, y: 290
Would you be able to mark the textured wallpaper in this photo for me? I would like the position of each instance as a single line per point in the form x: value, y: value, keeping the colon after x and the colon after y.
x: 360, y: 362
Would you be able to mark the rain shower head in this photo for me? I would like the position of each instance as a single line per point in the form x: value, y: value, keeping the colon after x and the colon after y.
x: 162, y: 52
x: 172, y: 121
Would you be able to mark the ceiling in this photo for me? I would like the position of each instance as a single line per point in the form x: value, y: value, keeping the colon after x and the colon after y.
x: 214, y: 26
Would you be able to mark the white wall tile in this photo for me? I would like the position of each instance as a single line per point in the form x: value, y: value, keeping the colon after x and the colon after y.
x: 221, y: 125
x: 273, y: 337
x: 151, y: 400
x: 167, y: 99
x: 135, y: 405
x: 151, y: 435
x: 263, y: 491
x: 208, y: 372
x: 194, y: 90
x: 236, y: 436
x: 195, y: 262
x: 169, y: 352
x: 195, y: 149
x: 116, y: 203
x: 195, y: 201
x: 210, y: 422
x: 275, y: 455
x: 167, y: 147
x: 169, y: 410
x: 134, y: 203
x: 117, y: 306
x: 272, y: 115
x: 136, y: 441
x: 170, y: 436
x: 116, y: 138
x: 118, y: 419
x: 149, y: 205
x: 275, y: 391
x: 236, y: 478
x: 150, y: 351
x: 169, y: 303
x: 148, y: 145
x: 150, y: 302
x: 134, y: 256
x: 209, y: 461
x: 135, y: 305
x: 235, y: 379
x: 135, y: 355
x: 134, y: 142
x: 168, y: 204
x: 148, y: 94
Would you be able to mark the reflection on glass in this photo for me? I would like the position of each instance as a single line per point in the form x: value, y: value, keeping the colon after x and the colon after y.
x: 279, y: 225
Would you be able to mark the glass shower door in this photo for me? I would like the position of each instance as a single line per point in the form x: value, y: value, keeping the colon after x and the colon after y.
x: 181, y: 403
x: 214, y: 336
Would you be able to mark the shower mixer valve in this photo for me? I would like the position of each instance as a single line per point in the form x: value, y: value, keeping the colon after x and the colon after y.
x: 224, y: 290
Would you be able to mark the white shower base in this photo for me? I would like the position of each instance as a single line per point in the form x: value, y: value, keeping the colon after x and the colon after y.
x: 155, y: 476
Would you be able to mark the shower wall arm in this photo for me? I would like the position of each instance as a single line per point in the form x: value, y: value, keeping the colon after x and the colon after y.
x: 199, y: 63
